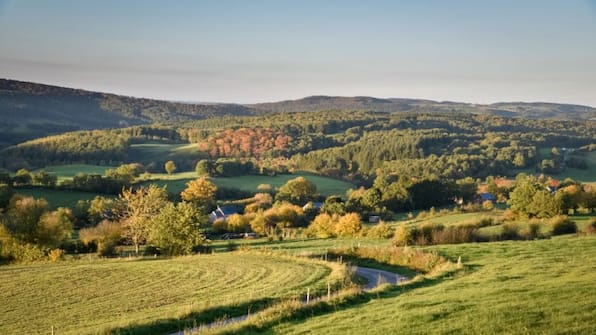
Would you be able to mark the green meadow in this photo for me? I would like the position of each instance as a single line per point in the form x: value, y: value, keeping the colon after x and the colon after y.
x: 135, y: 296
x: 176, y: 182
x: 514, y: 287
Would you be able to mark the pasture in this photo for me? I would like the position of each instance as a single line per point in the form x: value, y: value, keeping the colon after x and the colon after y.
x: 158, y: 153
x: 513, y: 287
x: 59, y: 198
x: 68, y: 171
x: 584, y: 175
x: 148, y: 296
x: 176, y: 182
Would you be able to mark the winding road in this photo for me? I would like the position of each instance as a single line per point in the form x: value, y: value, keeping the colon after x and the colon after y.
x: 374, y: 278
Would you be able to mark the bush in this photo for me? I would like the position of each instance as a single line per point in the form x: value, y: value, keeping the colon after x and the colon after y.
x: 425, y: 232
x: 105, y: 235
x: 487, y: 205
x: 532, y: 231
x: 591, y: 227
x: 402, y: 236
x: 55, y: 255
x: 412, y: 258
x: 562, y: 225
x: 453, y: 235
x: 510, y: 231
x: 381, y: 230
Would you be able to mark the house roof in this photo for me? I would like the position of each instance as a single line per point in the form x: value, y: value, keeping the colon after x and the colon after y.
x: 223, y: 212
x: 487, y: 196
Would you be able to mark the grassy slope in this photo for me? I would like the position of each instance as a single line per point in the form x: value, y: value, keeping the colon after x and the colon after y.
x: 534, y: 287
x: 81, y: 297
x: 588, y: 175
x: 161, y: 152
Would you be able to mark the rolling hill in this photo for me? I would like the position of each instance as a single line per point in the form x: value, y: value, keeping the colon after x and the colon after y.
x: 534, y: 110
x: 31, y: 110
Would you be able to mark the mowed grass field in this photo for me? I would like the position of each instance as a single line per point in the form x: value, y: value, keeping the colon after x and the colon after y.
x: 514, y: 287
x: 91, y: 297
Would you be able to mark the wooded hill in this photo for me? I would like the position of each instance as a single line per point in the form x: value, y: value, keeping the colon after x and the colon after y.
x: 31, y: 110
x: 534, y: 110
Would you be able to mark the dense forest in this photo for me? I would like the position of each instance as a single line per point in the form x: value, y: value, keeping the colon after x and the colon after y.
x: 351, y: 145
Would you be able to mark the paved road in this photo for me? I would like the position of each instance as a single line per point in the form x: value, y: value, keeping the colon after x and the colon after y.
x: 376, y: 277
x: 373, y: 277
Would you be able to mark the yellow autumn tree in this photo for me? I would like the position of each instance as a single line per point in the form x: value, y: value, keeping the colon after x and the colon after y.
x: 200, y: 192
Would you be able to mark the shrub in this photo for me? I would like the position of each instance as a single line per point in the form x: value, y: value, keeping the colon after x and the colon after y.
x: 510, y: 231
x: 219, y: 226
x: 472, y: 207
x: 381, y: 230
x: 55, y: 255
x: 106, y: 236
x: 487, y: 205
x: 452, y: 235
x: 402, y: 236
x: 348, y: 225
x: 509, y: 215
x: 322, y: 226
x: 425, y: 230
x: 415, y: 259
x: 591, y: 227
x: 562, y: 225
x: 532, y: 231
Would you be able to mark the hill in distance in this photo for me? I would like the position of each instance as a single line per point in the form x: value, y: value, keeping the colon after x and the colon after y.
x: 531, y: 110
x: 32, y: 110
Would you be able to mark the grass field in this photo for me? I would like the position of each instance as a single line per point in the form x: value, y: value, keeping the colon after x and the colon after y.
x: 588, y: 175
x: 534, y: 287
x: 59, y: 198
x: 176, y: 182
x: 70, y: 170
x: 161, y: 152
x: 82, y: 297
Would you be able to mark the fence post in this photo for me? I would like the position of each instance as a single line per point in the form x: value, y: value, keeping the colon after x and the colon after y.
x: 307, y: 295
x: 328, y: 291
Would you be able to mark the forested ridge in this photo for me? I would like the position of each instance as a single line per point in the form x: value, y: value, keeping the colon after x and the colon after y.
x: 349, y: 145
x: 31, y: 110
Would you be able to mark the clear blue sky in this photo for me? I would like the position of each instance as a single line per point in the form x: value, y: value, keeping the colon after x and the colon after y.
x: 251, y: 51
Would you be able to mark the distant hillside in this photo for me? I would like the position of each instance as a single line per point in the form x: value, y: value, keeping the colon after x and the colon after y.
x: 29, y: 110
x: 535, y: 110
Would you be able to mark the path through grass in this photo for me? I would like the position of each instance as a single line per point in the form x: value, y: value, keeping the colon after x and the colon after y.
x: 533, y: 287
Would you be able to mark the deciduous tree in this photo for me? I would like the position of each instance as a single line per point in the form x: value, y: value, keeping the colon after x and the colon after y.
x: 200, y: 192
x: 175, y: 230
x: 136, y: 208
x: 298, y: 191
x: 170, y: 167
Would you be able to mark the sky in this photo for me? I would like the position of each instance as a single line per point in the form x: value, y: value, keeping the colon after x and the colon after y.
x: 255, y: 51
